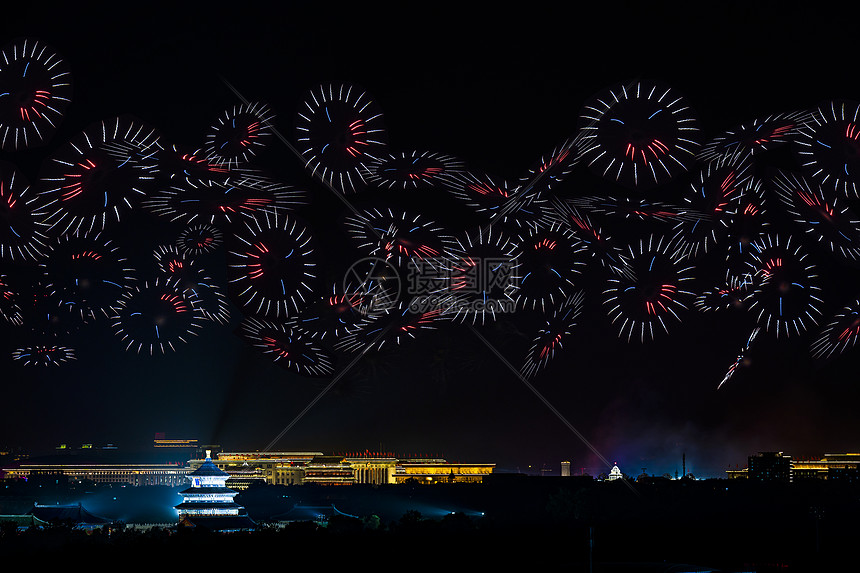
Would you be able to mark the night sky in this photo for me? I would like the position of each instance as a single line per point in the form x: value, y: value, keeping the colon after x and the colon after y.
x: 496, y: 91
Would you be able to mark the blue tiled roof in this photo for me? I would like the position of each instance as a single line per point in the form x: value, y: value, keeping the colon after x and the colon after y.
x: 208, y: 469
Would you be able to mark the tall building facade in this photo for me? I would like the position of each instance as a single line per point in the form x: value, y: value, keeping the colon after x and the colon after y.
x: 770, y: 466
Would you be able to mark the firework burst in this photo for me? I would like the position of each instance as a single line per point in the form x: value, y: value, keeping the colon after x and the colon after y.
x: 36, y: 88
x: 551, y: 335
x: 87, y: 186
x: 43, y: 355
x: 714, y: 198
x: 552, y: 168
x: 87, y: 274
x: 840, y: 334
x: 179, y: 166
x: 412, y: 170
x: 287, y: 348
x: 639, y: 134
x: 239, y: 133
x: 155, y: 317
x: 755, y: 137
x: 199, y: 239
x: 733, y: 294
x: 749, y: 224
x: 23, y: 230
x: 634, y: 208
x: 786, y: 299
x: 598, y: 243
x: 550, y: 263
x: 339, y: 133
x: 223, y: 202
x: 272, y: 265
x: 500, y: 202
x: 395, y: 327
x: 821, y: 215
x: 652, y: 293
x: 828, y: 147
x: 484, y: 276
x: 9, y: 308
x: 335, y: 315
x: 403, y: 238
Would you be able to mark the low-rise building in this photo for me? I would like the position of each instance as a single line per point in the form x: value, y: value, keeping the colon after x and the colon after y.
x: 130, y: 474
x: 440, y: 471
x: 274, y: 468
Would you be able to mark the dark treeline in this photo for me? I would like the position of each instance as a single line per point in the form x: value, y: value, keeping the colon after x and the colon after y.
x: 731, y: 525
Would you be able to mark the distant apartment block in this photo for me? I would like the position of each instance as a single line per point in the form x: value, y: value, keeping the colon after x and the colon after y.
x: 780, y: 467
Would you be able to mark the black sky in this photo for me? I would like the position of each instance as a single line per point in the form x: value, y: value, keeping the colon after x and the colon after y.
x: 496, y: 89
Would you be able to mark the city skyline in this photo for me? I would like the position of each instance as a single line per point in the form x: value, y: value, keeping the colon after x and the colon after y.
x: 499, y: 96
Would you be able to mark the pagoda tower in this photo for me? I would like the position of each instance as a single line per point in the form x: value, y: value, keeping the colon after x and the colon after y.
x: 209, y: 502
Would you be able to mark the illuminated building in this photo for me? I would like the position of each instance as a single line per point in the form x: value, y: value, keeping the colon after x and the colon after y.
x: 209, y: 502
x: 274, y: 468
x: 208, y: 494
x: 614, y: 473
x: 67, y: 449
x: 372, y: 468
x: 565, y: 469
x: 292, y: 457
x: 15, y: 454
x: 738, y: 473
x: 834, y: 467
x: 131, y: 474
x: 770, y: 466
x: 329, y: 470
x: 187, y: 444
x: 178, y: 449
x: 440, y: 471
x: 297, y: 468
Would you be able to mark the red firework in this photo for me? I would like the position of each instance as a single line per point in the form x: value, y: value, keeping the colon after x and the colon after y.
x: 88, y: 186
x: 88, y: 274
x: 239, y: 133
x: 288, y: 348
x: 756, y: 136
x: 551, y: 336
x: 828, y: 147
x: 639, y: 134
x: 786, y: 297
x: 339, y: 133
x: 713, y: 199
x: 412, y: 170
x: 199, y: 239
x: 156, y: 317
x: 841, y: 333
x: 43, y: 355
x: 35, y: 90
x: 652, y: 292
x: 23, y: 230
x: 272, y: 266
